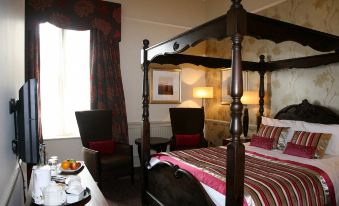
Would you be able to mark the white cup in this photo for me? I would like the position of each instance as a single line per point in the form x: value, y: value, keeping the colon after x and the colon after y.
x: 41, y: 178
x: 54, y: 194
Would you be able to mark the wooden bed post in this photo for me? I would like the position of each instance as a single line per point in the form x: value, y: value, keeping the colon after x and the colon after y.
x: 262, y: 72
x: 236, y: 28
x: 145, y: 146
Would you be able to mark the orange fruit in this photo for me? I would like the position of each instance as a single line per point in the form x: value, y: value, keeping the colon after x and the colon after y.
x: 65, y: 165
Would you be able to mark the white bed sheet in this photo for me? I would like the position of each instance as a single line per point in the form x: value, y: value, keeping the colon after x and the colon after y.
x: 329, y: 164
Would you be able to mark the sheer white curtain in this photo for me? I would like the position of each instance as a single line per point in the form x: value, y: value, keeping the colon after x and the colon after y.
x: 64, y: 79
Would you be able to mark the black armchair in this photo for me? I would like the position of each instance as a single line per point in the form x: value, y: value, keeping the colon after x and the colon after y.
x: 94, y: 126
x: 188, y: 125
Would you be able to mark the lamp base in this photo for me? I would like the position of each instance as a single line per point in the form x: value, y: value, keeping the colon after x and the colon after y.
x: 245, y: 121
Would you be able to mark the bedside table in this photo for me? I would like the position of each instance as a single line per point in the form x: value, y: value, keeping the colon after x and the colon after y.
x: 242, y: 139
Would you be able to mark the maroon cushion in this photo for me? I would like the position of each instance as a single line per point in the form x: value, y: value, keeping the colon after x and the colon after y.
x: 262, y: 142
x: 103, y: 146
x: 299, y: 150
x: 187, y: 139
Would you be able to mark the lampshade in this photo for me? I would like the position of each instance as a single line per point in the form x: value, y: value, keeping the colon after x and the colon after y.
x: 203, y: 92
x: 250, y: 97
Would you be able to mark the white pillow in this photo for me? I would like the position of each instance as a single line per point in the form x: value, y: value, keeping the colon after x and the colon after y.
x: 333, y: 145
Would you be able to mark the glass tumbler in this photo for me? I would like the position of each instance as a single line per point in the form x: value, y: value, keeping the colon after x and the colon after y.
x: 53, y: 164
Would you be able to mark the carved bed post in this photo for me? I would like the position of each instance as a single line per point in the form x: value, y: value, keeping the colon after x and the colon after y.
x: 262, y: 72
x: 236, y: 28
x: 145, y: 146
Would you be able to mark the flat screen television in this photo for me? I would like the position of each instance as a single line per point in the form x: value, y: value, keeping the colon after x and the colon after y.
x: 27, y: 123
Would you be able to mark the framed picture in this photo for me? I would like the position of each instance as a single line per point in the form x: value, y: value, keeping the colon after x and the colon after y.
x: 165, y: 85
x: 226, y: 79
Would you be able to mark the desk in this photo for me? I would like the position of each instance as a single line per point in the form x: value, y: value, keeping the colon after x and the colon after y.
x: 96, y: 198
x: 158, y: 144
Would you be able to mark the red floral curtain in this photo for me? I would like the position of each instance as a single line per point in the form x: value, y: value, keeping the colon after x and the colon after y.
x: 106, y: 86
x: 104, y: 20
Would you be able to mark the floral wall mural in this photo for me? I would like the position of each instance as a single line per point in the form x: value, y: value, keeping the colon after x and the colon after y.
x: 319, y: 85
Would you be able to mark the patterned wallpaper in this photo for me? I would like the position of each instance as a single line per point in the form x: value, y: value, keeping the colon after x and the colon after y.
x: 319, y: 85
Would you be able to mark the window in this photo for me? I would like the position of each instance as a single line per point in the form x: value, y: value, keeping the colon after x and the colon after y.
x: 64, y: 79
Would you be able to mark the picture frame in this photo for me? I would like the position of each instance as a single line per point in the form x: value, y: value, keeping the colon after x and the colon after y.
x: 226, y: 79
x: 165, y: 85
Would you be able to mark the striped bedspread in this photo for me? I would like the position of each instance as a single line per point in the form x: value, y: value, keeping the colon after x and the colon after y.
x: 268, y: 180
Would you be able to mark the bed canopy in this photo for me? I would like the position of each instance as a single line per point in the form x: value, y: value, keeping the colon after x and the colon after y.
x: 235, y: 24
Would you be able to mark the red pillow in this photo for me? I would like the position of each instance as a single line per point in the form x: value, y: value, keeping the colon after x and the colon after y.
x: 187, y: 139
x: 103, y: 146
x: 300, y: 150
x: 262, y: 142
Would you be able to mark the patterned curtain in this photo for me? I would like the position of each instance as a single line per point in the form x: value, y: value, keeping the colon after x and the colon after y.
x: 104, y: 20
x: 106, y: 83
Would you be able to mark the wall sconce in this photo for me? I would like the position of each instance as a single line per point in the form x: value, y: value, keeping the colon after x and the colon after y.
x: 248, y: 98
x: 203, y: 93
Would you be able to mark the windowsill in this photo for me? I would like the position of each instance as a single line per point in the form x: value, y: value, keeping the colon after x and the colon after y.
x: 60, y: 138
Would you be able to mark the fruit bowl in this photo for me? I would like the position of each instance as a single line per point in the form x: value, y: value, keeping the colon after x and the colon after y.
x: 67, y: 166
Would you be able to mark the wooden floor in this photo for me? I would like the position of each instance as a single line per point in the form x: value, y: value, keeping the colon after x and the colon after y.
x: 121, y: 192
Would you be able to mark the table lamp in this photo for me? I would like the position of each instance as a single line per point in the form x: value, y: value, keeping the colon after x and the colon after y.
x: 203, y: 93
x: 248, y: 98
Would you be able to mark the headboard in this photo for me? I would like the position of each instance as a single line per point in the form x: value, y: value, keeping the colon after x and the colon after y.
x: 309, y: 113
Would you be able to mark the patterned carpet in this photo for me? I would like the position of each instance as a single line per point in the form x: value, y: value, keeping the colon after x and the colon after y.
x: 121, y: 192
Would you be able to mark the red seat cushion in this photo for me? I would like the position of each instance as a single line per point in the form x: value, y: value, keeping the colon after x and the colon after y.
x: 300, y: 150
x: 262, y: 142
x: 187, y: 139
x: 103, y: 146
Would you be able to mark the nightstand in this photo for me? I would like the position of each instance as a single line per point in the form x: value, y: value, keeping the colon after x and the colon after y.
x: 243, y: 140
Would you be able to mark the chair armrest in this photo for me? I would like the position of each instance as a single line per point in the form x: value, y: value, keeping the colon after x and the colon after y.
x: 126, y: 149
x: 92, y: 161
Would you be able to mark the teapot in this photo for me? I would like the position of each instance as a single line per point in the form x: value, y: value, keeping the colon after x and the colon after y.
x: 54, y: 194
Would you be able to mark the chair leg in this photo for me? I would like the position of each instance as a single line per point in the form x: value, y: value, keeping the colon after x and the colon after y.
x: 100, y: 181
x: 132, y: 166
x: 132, y: 175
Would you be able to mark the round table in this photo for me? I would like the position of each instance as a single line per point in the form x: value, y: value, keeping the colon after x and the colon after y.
x: 158, y: 144
x: 242, y: 140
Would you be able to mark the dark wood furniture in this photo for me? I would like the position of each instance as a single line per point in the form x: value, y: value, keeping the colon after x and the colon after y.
x: 96, y: 125
x: 96, y: 198
x: 242, y: 139
x: 187, y: 121
x: 235, y: 24
x: 159, y: 144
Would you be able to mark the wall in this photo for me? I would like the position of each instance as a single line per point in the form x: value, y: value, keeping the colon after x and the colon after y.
x: 155, y: 20
x: 217, y: 8
x: 319, y: 85
x: 12, y: 77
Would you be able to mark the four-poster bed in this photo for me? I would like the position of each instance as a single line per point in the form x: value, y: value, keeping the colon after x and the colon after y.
x: 163, y: 183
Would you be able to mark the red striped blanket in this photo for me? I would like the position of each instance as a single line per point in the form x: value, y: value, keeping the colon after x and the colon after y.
x: 268, y: 180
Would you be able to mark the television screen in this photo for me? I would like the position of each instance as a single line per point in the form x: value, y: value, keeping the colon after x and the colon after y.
x: 27, y: 111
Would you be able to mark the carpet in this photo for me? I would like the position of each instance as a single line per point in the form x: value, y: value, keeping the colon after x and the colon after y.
x: 121, y: 192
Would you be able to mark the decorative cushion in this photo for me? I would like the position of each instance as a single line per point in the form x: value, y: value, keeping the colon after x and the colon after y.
x: 311, y: 139
x: 300, y: 150
x: 279, y: 134
x: 262, y: 142
x: 187, y: 139
x: 333, y: 145
x: 103, y: 146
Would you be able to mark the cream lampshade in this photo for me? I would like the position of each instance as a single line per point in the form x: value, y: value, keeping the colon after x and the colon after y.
x: 248, y: 98
x: 203, y: 93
